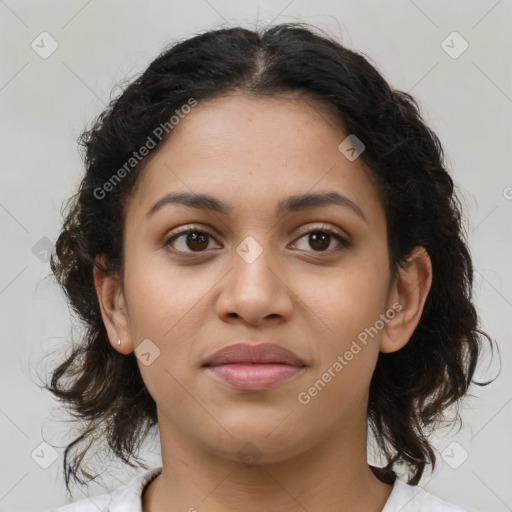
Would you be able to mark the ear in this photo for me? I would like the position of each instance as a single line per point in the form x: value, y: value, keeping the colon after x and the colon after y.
x: 113, y: 308
x: 409, y: 289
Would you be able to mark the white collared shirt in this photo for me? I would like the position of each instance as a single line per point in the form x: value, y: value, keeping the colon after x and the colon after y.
x: 403, y: 498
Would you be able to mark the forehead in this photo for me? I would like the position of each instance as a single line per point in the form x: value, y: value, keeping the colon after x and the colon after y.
x: 252, y: 152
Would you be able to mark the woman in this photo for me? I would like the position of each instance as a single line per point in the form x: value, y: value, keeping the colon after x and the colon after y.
x: 267, y: 253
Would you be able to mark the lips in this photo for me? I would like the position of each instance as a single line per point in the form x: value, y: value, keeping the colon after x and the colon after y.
x: 245, y: 353
x: 254, y: 368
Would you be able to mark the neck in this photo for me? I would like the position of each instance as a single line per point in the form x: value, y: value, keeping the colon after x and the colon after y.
x: 331, y: 476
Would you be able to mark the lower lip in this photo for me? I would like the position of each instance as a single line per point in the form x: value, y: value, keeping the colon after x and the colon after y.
x: 254, y: 377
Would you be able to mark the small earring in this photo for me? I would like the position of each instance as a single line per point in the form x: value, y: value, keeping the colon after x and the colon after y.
x: 119, y: 342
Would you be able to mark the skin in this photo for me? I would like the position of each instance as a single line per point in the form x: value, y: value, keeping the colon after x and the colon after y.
x: 251, y: 153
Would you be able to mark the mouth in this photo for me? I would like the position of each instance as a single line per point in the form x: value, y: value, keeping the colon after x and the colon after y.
x: 248, y: 367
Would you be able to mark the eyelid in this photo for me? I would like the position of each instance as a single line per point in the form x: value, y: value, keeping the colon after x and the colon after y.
x: 343, y: 239
x: 322, y: 226
x: 186, y: 229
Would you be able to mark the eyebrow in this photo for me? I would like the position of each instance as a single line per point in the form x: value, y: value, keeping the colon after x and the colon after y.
x: 290, y: 204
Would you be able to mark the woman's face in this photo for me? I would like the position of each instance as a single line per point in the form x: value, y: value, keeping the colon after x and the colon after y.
x: 253, y: 274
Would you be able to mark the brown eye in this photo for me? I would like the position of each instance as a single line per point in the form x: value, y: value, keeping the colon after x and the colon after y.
x: 320, y: 240
x: 190, y: 241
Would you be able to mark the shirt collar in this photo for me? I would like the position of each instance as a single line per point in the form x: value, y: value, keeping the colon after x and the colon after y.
x: 128, y: 497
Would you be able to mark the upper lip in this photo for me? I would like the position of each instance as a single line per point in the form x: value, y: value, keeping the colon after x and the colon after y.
x: 247, y: 353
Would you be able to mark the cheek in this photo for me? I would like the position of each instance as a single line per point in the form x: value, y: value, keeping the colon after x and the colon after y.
x: 159, y: 302
x: 348, y: 299
x: 351, y: 306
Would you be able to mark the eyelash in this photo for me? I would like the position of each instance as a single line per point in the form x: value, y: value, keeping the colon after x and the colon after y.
x: 345, y: 244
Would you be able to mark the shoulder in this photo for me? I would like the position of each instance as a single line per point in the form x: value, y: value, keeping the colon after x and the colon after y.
x: 411, y: 498
x: 126, y: 498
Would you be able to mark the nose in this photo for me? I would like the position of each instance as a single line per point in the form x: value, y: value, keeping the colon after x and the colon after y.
x: 255, y: 291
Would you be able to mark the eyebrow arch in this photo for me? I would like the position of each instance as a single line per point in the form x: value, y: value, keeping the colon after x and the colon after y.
x: 290, y: 204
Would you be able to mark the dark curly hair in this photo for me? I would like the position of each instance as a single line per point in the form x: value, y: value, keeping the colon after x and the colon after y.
x: 410, y: 388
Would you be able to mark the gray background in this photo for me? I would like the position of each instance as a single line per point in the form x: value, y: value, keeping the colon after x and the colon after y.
x: 46, y: 103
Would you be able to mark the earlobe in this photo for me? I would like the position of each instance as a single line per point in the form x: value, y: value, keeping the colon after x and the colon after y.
x: 410, y: 290
x: 113, y: 310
